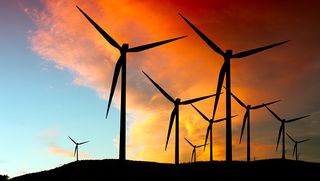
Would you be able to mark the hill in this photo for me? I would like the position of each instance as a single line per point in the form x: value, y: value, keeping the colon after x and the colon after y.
x: 107, y: 169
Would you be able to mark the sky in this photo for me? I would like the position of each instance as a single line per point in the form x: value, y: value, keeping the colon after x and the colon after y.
x: 56, y: 72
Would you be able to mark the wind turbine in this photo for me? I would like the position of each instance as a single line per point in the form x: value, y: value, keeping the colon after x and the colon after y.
x: 209, y: 130
x: 282, y: 129
x: 121, y: 64
x: 295, y: 148
x: 225, y: 71
x: 76, y: 149
x: 194, y: 153
x: 246, y: 119
x: 175, y: 114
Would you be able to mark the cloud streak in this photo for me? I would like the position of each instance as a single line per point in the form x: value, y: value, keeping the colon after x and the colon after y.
x: 59, y: 151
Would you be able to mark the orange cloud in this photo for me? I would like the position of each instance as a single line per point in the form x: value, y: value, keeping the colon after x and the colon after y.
x: 58, y: 151
x: 187, y: 68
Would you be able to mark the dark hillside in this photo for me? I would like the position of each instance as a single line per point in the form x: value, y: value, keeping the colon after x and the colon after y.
x: 111, y: 169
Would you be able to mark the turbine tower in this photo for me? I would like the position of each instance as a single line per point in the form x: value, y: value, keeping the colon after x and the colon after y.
x: 225, y: 72
x: 122, y: 65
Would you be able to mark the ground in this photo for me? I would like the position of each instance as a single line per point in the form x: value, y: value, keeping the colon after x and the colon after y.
x: 107, y: 169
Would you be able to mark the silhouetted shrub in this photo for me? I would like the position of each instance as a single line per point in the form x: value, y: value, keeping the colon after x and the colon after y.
x: 4, y: 177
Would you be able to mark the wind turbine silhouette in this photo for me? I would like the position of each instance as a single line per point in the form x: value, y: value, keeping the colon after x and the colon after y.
x: 225, y: 71
x: 282, y: 130
x: 175, y: 114
x: 246, y: 119
x: 209, y: 130
x: 295, y: 148
x: 76, y: 149
x: 194, y: 152
x: 121, y: 64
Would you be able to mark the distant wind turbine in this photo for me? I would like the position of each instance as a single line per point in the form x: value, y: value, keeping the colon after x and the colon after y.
x: 282, y: 130
x: 175, y: 114
x: 295, y: 148
x: 76, y: 149
x: 121, y: 65
x: 246, y: 119
x: 194, y: 152
x: 225, y: 71
x: 209, y: 130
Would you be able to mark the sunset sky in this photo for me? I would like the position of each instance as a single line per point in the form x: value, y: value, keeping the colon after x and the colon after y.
x: 56, y: 72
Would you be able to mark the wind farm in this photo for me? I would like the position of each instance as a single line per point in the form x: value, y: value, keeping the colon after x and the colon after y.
x: 60, y: 76
x: 225, y: 72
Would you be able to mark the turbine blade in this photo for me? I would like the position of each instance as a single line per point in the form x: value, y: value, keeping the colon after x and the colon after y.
x: 188, y: 141
x: 256, y: 50
x: 294, y: 149
x: 83, y: 142
x: 101, y: 31
x: 208, y: 129
x: 204, y: 37
x: 200, y: 146
x: 203, y: 116
x: 290, y: 137
x: 238, y: 100
x: 274, y: 114
x: 152, y: 45
x: 279, y: 135
x: 190, y: 101
x: 295, y: 119
x: 262, y: 105
x: 174, y: 112
x: 116, y: 73
x: 219, y: 87
x: 160, y: 89
x: 72, y: 140
x: 244, y: 124
x: 269, y: 103
x: 219, y: 120
x: 257, y: 106
x: 303, y: 140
